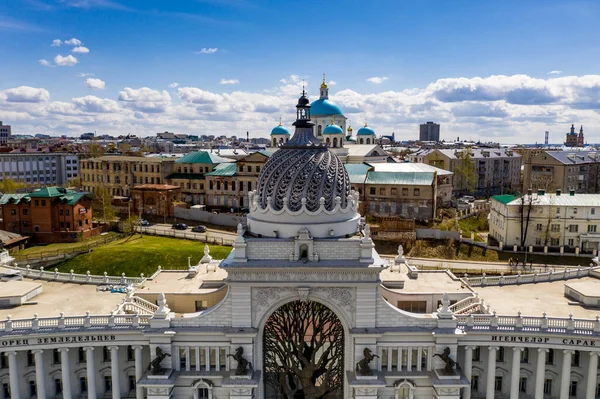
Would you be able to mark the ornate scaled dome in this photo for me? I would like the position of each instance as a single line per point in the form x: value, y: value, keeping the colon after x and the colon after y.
x: 303, y: 183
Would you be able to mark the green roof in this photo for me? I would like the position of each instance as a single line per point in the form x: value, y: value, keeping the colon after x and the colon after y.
x: 186, y: 176
x: 62, y: 194
x: 401, y: 178
x: 224, y: 169
x: 204, y: 157
x: 48, y: 192
x: 357, y: 172
x: 266, y: 153
x: 15, y: 198
x: 504, y: 198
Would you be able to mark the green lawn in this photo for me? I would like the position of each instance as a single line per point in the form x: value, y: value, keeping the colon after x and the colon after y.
x: 66, y: 247
x: 137, y: 254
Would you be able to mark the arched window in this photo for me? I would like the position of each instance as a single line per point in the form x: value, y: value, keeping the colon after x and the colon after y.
x: 335, y: 142
x: 327, y: 141
x: 404, y: 389
x: 203, y: 389
x: 361, y: 141
x: 319, y: 130
x: 303, y: 252
x: 274, y: 142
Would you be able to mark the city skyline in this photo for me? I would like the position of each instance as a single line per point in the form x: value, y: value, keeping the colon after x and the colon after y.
x: 489, y: 72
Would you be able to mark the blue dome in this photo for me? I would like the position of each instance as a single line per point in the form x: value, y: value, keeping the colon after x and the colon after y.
x: 366, y: 131
x: 324, y: 107
x: 333, y: 129
x: 279, y: 130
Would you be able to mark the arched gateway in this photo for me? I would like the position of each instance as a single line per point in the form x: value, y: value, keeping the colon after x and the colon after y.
x: 303, y: 352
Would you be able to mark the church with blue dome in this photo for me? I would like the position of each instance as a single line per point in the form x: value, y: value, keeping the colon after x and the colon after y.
x: 331, y: 127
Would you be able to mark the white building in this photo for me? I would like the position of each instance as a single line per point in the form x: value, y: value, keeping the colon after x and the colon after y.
x: 302, y: 307
x: 555, y: 220
x: 39, y: 168
x: 5, y: 133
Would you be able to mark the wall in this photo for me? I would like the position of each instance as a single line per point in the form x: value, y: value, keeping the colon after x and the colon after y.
x: 437, y: 234
x: 208, y: 217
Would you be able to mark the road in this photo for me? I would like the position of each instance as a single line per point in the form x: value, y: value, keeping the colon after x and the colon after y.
x: 211, y: 235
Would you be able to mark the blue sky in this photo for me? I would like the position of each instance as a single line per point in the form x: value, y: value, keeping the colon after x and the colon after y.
x: 493, y: 70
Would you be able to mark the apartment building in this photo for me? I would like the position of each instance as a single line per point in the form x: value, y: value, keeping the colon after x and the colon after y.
x: 496, y: 170
x: 568, y: 220
x: 5, y: 133
x: 189, y: 174
x: 50, y: 214
x: 39, y: 168
x: 119, y: 174
x: 564, y: 170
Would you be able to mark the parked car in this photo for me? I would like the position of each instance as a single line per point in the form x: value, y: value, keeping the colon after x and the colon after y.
x: 144, y: 223
x: 468, y: 198
x: 179, y: 226
x: 199, y: 229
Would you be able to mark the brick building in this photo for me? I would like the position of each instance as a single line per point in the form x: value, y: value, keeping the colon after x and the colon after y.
x: 51, y: 214
x: 155, y: 199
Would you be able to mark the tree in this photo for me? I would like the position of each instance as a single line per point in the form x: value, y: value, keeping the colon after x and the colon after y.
x: 9, y: 186
x: 102, y: 203
x: 304, y: 352
x: 525, y: 215
x: 593, y: 183
x: 75, y: 182
x: 129, y: 226
x: 464, y: 172
x: 543, y: 182
x: 95, y: 150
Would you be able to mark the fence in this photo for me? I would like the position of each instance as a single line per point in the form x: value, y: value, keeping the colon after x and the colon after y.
x: 482, y: 322
x: 61, y: 322
x: 485, y: 281
x: 202, y: 237
x: 218, y: 219
x: 63, y: 253
x: 87, y: 278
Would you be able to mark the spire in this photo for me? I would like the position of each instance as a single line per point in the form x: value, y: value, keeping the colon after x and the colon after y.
x: 581, y: 130
x: 280, y: 121
x: 324, y: 84
x: 303, y: 135
x: 324, y: 91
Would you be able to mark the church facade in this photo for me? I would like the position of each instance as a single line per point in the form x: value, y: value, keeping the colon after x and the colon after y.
x: 304, y: 307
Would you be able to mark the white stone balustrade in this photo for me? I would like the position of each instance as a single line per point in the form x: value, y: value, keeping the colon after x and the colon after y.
x: 566, y: 274
x: 88, y: 278
x: 529, y: 323
x: 62, y: 322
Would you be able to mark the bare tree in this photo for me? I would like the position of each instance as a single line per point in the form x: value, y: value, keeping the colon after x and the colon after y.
x: 303, y: 352
x: 525, y: 215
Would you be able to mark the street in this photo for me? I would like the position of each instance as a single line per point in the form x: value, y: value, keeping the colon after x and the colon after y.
x: 211, y: 235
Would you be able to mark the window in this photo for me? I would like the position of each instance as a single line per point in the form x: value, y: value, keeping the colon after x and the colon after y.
x: 182, y: 358
x: 32, y: 389
x: 575, y: 359
x: 203, y: 393
x: 475, y: 383
x: 573, y: 388
x: 574, y: 211
x: 43, y: 202
x: 82, y: 384
x: 382, y: 191
x: 394, y: 191
x: 107, y: 383
x: 550, y: 357
x: 538, y: 227
x: 232, y: 186
x: 257, y: 168
x: 3, y: 361
x: 55, y: 356
x: 525, y: 355
x: 573, y: 228
x: 60, y: 212
x: 13, y: 211
x: 57, y: 386
x: 81, y: 355
x: 68, y: 212
x: 554, y: 241
x: 6, y: 390
x: 37, y: 202
x: 131, y: 383
x: 500, y: 355
x: 105, y: 354
x: 555, y: 227
x: 372, y: 191
x: 201, y: 305
x: 417, y: 192
x: 523, y: 384
x: 26, y: 211
x: 570, y: 242
x: 218, y: 185
x: 593, y: 212
x: 210, y: 184
x: 249, y: 186
x: 477, y: 354
x: 413, y: 306
x: 130, y: 353
x: 591, y: 228
x: 30, y: 359
x: 241, y: 168
x: 548, y: 386
x: 404, y: 192
x: 498, y: 384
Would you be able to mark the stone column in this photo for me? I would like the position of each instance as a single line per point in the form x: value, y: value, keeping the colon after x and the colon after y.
x: 91, y: 371
x: 515, y: 373
x: 468, y: 371
x: 565, y: 377
x: 592, y: 375
x: 14, y: 374
x: 139, y: 371
x: 65, y: 369
x: 115, y: 373
x: 491, y: 372
x: 40, y: 375
x: 540, y: 372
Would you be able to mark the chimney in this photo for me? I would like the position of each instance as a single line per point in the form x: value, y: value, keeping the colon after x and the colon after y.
x: 558, y: 191
x: 572, y: 193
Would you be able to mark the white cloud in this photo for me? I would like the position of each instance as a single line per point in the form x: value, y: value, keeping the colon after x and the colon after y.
x: 229, y: 81
x: 95, y: 104
x: 56, y: 43
x: 377, y: 79
x: 331, y: 83
x: 84, y: 74
x: 45, y: 63
x: 81, y: 50
x: 69, y: 60
x: 73, y: 42
x: 145, y: 99
x: 555, y: 72
x: 94, y: 83
x: 26, y: 94
x: 207, y: 50
x: 174, y: 85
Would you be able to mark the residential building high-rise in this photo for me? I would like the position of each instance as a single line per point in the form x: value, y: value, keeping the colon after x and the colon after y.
x: 429, y: 131
x: 5, y: 133
x: 39, y: 168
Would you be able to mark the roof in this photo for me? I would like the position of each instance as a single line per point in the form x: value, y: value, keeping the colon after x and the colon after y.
x: 117, y: 158
x: 357, y: 172
x: 156, y: 187
x: 14, y: 198
x: 203, y: 157
x: 408, y: 167
x: 401, y: 178
x: 333, y: 129
x: 479, y: 153
x: 365, y: 149
x: 574, y: 157
x: 48, y: 192
x: 8, y: 237
x: 365, y: 131
x: 186, y: 176
x: 324, y: 106
x: 565, y: 199
x: 280, y: 130
x: 504, y: 198
x: 224, y: 169
x: 64, y: 195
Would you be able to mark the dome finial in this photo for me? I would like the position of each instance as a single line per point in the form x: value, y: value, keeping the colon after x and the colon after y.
x: 324, y: 84
x: 303, y: 86
x: 280, y: 121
